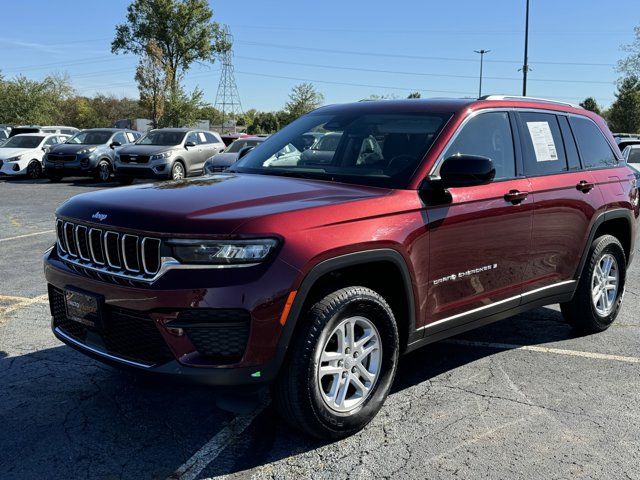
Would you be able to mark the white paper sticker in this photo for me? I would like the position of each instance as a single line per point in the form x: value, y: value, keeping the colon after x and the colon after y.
x: 543, y: 143
x: 203, y: 139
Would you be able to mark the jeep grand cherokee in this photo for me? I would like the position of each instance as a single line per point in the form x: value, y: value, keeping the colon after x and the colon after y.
x: 432, y: 217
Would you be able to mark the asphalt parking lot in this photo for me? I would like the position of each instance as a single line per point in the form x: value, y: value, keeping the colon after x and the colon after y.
x: 522, y: 398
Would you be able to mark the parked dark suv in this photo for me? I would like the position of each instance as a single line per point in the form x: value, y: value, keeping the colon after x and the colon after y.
x: 88, y: 153
x: 433, y: 217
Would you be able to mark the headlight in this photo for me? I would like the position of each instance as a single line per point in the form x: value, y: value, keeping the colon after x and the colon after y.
x: 84, y: 151
x: 15, y: 159
x: 221, y: 252
x: 159, y: 156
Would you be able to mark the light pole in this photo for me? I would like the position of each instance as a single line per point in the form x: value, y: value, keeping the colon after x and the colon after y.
x: 525, y: 66
x: 481, y: 52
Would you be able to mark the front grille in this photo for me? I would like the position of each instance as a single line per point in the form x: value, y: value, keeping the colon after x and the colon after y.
x: 216, y: 168
x: 60, y: 157
x: 219, y: 335
x: 127, y: 334
x: 127, y: 158
x: 108, y: 251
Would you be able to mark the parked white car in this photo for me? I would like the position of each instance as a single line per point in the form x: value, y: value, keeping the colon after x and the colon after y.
x: 23, y: 154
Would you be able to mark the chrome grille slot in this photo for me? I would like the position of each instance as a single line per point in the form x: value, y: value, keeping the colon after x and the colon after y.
x: 130, y: 253
x: 69, y: 239
x: 81, y: 242
x: 150, y: 255
x: 112, y: 249
x: 60, y: 234
x: 96, y: 246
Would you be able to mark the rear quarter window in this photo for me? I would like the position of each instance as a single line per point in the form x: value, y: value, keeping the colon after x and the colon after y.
x: 594, y: 148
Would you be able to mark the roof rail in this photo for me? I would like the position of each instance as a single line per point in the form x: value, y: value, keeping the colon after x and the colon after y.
x: 524, y: 99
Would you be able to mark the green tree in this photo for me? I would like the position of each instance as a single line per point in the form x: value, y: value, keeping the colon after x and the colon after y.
x: 415, y: 95
x: 182, y: 29
x: 263, y: 122
x: 152, y: 82
x: 630, y: 65
x: 590, y: 104
x: 302, y: 99
x: 181, y: 108
x: 31, y: 101
x: 624, y: 114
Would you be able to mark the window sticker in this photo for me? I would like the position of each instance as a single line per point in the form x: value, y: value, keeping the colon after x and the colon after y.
x: 543, y: 144
x: 203, y: 139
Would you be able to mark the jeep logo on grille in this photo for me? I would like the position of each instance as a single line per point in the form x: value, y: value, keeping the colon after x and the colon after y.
x: 99, y: 216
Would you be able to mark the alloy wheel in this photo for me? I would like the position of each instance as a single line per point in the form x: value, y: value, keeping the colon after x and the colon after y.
x: 104, y: 172
x: 177, y: 171
x: 350, y: 363
x: 604, y: 284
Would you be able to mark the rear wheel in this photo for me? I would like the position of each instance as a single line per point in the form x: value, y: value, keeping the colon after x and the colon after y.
x: 598, y: 297
x: 341, y: 364
x: 34, y: 169
x: 103, y: 171
x: 177, y: 171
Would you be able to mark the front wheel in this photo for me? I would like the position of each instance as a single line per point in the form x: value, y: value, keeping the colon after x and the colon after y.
x: 103, y: 171
x: 34, y: 170
x: 177, y: 171
x: 598, y: 298
x: 341, y: 364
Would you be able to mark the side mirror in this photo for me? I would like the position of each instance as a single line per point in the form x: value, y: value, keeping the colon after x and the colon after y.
x: 466, y: 171
x: 244, y: 151
x: 189, y: 144
x: 44, y: 149
x: 115, y: 144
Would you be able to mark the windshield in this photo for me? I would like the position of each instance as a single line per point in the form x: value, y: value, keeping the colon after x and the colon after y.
x: 159, y: 137
x: 377, y: 149
x: 27, y: 141
x: 90, y: 138
x: 238, y: 145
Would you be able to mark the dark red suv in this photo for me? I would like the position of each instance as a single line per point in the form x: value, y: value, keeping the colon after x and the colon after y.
x: 432, y: 217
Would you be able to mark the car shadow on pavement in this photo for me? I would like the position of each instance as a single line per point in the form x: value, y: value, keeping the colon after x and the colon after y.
x: 68, y: 416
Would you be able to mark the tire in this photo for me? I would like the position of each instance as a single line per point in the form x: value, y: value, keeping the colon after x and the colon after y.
x: 589, y: 312
x: 124, y: 180
x: 103, y: 171
x: 177, y: 171
x: 304, y: 397
x: 54, y: 178
x: 34, y: 169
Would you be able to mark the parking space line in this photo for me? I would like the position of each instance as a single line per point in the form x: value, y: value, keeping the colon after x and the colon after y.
x: 214, y: 447
x: 26, y: 235
x: 24, y: 303
x: 540, y: 349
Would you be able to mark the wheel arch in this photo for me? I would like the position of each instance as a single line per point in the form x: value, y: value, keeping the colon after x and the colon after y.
x: 317, y: 283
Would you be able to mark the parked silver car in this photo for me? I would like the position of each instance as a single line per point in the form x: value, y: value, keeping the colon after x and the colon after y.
x: 167, y: 153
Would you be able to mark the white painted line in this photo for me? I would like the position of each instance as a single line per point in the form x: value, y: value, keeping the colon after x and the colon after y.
x: 537, y: 348
x: 26, y: 235
x: 214, y: 447
x: 25, y: 303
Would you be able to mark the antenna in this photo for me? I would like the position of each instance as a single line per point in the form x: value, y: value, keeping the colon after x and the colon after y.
x: 227, y: 97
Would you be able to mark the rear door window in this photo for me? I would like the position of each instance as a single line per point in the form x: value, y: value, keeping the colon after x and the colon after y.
x: 488, y: 135
x: 570, y: 147
x: 594, y: 148
x: 542, y: 143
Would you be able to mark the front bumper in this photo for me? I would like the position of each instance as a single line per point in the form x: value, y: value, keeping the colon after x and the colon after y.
x: 153, y: 170
x: 8, y: 169
x: 83, y: 165
x: 142, y: 332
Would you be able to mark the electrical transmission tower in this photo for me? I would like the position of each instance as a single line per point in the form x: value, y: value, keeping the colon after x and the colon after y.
x: 227, y: 98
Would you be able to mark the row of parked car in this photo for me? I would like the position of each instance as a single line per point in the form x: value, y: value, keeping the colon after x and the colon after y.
x: 167, y: 153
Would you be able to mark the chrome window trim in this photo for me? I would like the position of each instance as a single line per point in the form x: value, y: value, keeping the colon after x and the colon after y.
x: 93, y: 255
x: 106, y: 249
x: 75, y: 230
x: 124, y: 253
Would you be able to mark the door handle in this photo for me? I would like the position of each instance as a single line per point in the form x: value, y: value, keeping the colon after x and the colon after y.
x: 515, y: 196
x: 584, y: 186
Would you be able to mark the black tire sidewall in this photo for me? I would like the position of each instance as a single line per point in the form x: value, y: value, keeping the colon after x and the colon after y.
x: 381, y: 316
x: 173, y: 168
x: 34, y: 165
x: 99, y: 168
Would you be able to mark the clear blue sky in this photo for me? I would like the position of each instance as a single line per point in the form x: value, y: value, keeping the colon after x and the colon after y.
x: 349, y: 49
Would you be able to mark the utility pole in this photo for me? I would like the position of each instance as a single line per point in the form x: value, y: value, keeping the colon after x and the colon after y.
x: 481, y: 52
x: 525, y: 66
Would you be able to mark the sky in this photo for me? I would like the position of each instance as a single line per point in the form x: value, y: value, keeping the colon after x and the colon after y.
x: 348, y: 49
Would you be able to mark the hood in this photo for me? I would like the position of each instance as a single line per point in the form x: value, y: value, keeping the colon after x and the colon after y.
x: 145, y: 149
x: 217, y: 204
x: 12, y: 152
x: 72, y: 148
x: 224, y: 159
